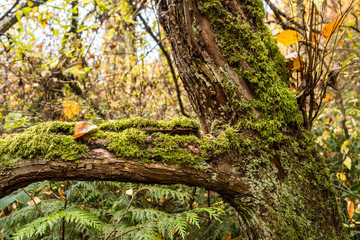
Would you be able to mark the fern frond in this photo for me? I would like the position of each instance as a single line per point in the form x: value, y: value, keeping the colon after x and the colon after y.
x: 159, y: 192
x: 81, y: 219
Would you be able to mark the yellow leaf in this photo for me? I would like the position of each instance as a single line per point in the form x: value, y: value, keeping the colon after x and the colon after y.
x: 298, y: 63
x: 288, y: 37
x: 327, y: 121
x: 85, y: 2
x: 70, y: 108
x: 329, y: 28
x: 344, y: 147
x: 350, y: 207
x: 61, y: 193
x: 327, y: 97
x: 341, y: 176
x: 347, y: 162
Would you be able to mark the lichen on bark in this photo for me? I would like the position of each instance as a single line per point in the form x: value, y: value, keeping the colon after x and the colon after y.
x: 274, y: 152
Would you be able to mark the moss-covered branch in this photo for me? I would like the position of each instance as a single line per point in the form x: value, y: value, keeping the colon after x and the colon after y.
x: 137, y: 150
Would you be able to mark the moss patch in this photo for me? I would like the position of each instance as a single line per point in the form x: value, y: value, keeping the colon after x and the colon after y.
x: 137, y: 122
x: 266, y: 73
x: 55, y: 140
x: 47, y: 140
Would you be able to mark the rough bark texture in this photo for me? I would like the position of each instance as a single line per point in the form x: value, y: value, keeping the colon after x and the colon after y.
x: 235, y: 74
x: 101, y: 165
x: 260, y: 159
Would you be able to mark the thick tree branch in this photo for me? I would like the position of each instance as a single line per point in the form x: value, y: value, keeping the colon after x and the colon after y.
x: 100, y: 164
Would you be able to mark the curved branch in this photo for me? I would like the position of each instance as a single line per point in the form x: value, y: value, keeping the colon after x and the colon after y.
x: 102, y: 165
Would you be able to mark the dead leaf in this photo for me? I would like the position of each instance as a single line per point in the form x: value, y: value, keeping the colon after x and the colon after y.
x: 33, y: 201
x: 333, y: 75
x: 329, y: 28
x: 341, y: 176
x: 129, y: 191
x: 288, y: 37
x: 293, y: 87
x: 315, y: 106
x: 350, y: 207
x: 61, y: 192
x: 289, y: 60
x: 71, y: 108
x: 193, y: 149
x: 299, y: 64
x: 47, y: 192
x: 211, y: 137
x: 327, y: 97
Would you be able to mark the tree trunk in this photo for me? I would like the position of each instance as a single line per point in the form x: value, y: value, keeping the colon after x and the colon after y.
x: 258, y: 155
x: 234, y: 74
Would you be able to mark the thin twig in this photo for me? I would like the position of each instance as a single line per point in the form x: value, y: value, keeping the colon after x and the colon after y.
x: 126, y: 211
x: 345, y: 190
x: 168, y: 59
x: 37, y: 207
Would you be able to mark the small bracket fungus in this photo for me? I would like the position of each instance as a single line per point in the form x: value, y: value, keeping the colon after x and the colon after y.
x: 82, y: 130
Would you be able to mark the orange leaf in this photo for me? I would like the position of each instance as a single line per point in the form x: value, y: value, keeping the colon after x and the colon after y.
x: 327, y: 97
x: 70, y: 108
x: 329, y: 28
x: 227, y: 236
x: 351, y: 208
x: 288, y: 37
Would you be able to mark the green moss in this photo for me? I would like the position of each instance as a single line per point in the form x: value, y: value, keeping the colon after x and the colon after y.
x: 129, y: 144
x: 174, y: 150
x: 138, y: 122
x: 55, y: 140
x: 271, y: 135
x: 44, y: 140
x: 289, y: 215
x: 266, y: 72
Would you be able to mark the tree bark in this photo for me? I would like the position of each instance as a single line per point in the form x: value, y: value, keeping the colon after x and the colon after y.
x: 259, y: 156
x: 234, y: 74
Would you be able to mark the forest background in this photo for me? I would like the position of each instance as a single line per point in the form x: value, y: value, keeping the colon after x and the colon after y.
x: 106, y: 60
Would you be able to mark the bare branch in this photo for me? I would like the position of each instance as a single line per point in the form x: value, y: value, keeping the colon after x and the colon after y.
x: 8, y: 22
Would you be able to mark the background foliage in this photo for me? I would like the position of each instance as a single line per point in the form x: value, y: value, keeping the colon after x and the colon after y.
x: 90, y: 60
